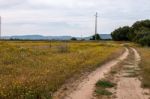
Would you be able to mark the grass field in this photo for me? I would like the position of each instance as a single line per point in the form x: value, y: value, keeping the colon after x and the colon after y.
x: 34, y: 70
x: 145, y: 66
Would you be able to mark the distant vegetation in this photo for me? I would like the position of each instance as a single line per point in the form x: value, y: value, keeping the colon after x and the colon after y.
x: 139, y: 32
x: 121, y: 34
x: 95, y: 37
x: 40, y: 37
x: 73, y: 39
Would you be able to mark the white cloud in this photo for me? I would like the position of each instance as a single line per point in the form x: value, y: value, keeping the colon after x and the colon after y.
x: 69, y: 17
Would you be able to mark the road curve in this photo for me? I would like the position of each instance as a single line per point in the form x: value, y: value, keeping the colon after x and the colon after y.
x: 85, y: 89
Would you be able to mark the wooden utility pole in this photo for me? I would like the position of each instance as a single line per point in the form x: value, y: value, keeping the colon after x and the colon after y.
x: 96, y: 15
x: 0, y: 27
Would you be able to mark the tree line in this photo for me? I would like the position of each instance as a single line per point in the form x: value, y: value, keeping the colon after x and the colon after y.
x: 139, y: 32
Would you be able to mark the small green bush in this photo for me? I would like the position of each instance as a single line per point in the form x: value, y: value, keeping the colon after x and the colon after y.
x: 145, y: 41
x: 105, y: 84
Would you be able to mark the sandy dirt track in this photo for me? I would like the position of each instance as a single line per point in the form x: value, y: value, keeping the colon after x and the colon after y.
x: 129, y: 85
x: 85, y: 88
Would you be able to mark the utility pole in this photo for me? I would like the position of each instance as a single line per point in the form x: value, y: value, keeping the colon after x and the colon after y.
x: 0, y: 27
x: 96, y: 15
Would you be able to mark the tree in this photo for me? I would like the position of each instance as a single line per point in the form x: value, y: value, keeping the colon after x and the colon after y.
x: 140, y: 29
x: 145, y: 41
x: 73, y: 39
x: 96, y: 37
x: 121, y: 34
x: 140, y: 25
x: 139, y: 32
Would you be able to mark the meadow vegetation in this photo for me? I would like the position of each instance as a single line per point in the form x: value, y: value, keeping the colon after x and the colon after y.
x: 34, y: 70
x: 145, y: 66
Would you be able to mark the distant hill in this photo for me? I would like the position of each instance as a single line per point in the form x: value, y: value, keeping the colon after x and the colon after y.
x: 30, y: 37
x: 106, y: 36
x: 40, y: 37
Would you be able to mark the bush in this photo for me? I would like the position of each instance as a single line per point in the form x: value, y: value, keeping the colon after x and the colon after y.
x: 139, y: 32
x: 105, y: 84
x: 96, y: 37
x: 145, y: 41
x: 121, y: 34
x: 73, y: 39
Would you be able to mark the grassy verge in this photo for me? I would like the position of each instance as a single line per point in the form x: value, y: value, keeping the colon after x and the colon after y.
x: 145, y: 66
x: 34, y: 70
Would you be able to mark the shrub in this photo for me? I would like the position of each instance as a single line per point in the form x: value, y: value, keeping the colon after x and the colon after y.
x: 145, y: 41
x: 139, y: 32
x: 105, y: 84
x: 121, y: 34
x: 96, y: 37
x: 73, y: 39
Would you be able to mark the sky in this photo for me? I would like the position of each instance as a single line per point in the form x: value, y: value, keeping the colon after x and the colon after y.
x: 69, y: 17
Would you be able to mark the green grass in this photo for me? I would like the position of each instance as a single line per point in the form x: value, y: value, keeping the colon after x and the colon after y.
x: 102, y: 87
x: 34, y: 70
x: 103, y: 92
x: 105, y: 84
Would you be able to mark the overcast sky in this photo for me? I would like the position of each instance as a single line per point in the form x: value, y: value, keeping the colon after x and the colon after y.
x: 69, y: 17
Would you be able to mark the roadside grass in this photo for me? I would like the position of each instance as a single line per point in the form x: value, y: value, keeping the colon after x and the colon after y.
x: 34, y: 70
x: 145, y: 66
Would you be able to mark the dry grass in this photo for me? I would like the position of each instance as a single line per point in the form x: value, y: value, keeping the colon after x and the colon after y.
x: 145, y: 66
x: 34, y: 70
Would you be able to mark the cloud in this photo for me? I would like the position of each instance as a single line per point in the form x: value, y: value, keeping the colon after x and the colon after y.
x: 69, y: 17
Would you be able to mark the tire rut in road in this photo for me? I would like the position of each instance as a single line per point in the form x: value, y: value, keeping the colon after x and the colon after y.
x: 129, y: 85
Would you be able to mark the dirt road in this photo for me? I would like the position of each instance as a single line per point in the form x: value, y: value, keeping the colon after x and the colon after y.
x: 129, y: 85
x: 85, y: 88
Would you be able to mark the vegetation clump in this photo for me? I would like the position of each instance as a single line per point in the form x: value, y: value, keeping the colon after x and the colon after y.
x: 103, y: 92
x: 121, y: 34
x: 96, y: 37
x: 73, y: 39
x: 102, y: 87
x: 105, y: 84
x: 139, y: 32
